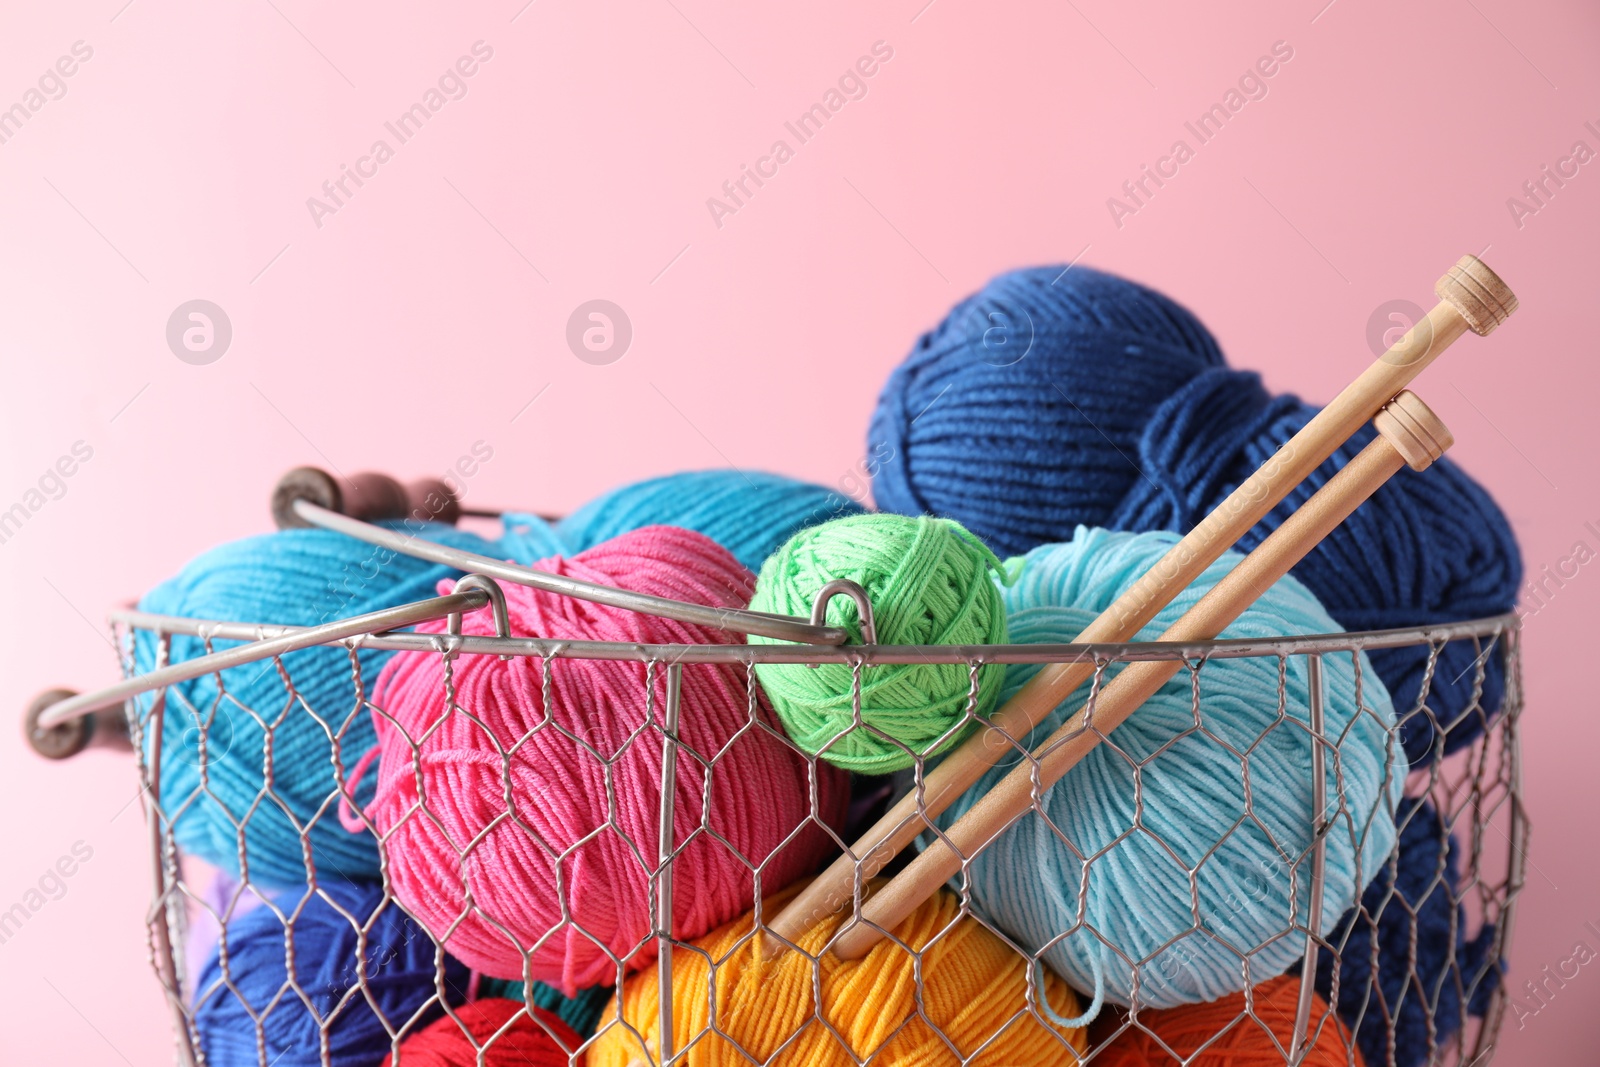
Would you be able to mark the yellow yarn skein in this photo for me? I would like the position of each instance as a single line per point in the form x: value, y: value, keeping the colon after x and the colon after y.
x: 974, y: 987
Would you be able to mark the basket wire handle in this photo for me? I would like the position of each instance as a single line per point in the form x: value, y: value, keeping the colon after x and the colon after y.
x: 778, y: 627
x: 292, y: 639
x: 819, y: 609
x: 497, y: 601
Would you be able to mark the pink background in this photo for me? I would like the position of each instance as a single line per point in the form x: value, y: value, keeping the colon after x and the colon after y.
x: 428, y: 311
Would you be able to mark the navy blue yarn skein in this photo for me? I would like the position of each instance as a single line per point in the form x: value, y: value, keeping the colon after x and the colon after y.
x: 1414, y: 895
x: 1020, y: 414
x: 292, y: 577
x: 1117, y: 409
x: 398, y: 962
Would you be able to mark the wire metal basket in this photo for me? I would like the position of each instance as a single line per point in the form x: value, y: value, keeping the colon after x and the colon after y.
x: 1476, y: 791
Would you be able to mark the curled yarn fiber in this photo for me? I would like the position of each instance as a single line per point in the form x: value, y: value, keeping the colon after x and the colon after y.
x: 750, y: 513
x: 929, y: 582
x: 214, y: 749
x: 563, y: 882
x: 1414, y: 901
x: 1123, y: 414
x: 246, y: 1011
x: 1254, y: 1034
x: 973, y: 987
x: 1166, y: 793
x: 538, y: 1039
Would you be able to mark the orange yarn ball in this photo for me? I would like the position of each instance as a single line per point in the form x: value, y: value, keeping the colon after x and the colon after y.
x: 1169, y: 1036
x: 974, y: 986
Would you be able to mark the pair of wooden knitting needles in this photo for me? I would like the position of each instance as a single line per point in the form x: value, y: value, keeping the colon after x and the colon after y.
x: 1471, y: 297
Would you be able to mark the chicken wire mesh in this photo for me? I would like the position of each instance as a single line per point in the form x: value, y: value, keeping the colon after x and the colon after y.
x: 1474, y: 792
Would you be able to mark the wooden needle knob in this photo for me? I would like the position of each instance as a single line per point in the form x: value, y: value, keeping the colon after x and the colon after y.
x: 367, y: 496
x: 1413, y: 429
x: 107, y: 728
x: 1478, y: 294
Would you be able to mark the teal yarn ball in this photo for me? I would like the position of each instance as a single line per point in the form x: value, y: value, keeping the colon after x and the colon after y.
x: 930, y: 582
x: 750, y: 513
x: 1123, y: 847
x: 582, y: 1012
x: 214, y: 748
x: 527, y: 538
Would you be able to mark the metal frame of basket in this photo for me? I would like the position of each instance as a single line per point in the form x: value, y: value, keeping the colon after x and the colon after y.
x: 1477, y: 790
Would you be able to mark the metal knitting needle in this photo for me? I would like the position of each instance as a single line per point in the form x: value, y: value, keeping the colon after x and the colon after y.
x: 1409, y: 434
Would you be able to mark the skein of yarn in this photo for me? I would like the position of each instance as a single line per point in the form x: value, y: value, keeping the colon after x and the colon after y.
x: 929, y: 582
x: 217, y: 739
x: 531, y: 1040
x: 1106, y: 404
x: 1411, y: 911
x: 971, y: 987
x: 1259, y: 1033
x: 564, y: 882
x: 349, y: 943
x: 1018, y: 415
x: 750, y: 513
x: 1213, y: 781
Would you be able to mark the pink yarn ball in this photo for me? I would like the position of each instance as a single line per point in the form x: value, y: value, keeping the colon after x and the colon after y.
x: 760, y: 786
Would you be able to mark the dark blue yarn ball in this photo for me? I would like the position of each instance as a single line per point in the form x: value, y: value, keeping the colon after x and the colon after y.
x: 1415, y: 895
x: 1117, y: 410
x: 1020, y: 415
x: 398, y: 961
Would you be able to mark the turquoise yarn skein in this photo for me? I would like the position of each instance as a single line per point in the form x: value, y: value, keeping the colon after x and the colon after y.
x: 527, y: 538
x: 214, y: 744
x: 1099, y: 843
x: 750, y: 513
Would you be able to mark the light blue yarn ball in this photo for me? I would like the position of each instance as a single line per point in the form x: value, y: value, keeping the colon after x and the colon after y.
x: 528, y: 538
x: 216, y: 792
x: 750, y: 513
x: 1136, y: 893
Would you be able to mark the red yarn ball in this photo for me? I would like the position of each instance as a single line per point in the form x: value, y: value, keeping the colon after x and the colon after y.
x: 537, y: 1040
x: 560, y: 844
x: 1167, y: 1037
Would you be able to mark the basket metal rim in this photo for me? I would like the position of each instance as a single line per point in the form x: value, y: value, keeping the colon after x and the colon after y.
x: 1493, y: 626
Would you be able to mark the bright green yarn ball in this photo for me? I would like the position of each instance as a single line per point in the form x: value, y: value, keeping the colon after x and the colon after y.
x: 931, y: 582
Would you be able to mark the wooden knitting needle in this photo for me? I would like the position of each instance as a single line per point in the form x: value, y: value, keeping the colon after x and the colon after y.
x: 1408, y: 434
x: 1471, y: 297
